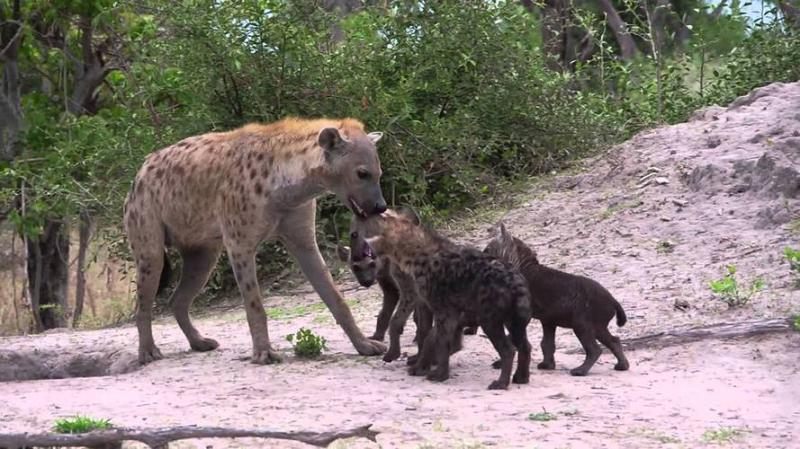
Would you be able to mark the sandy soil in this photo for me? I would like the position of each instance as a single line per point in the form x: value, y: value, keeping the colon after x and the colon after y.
x: 729, y: 194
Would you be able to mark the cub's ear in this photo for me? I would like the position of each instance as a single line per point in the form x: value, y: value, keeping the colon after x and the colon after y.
x: 343, y: 252
x: 375, y: 136
x: 329, y: 139
x: 410, y: 214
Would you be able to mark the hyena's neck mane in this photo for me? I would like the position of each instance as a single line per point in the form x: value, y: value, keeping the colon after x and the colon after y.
x: 425, y: 243
x: 523, y: 257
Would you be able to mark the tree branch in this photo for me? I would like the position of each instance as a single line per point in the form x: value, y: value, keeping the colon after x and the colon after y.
x: 13, y: 45
x: 160, y: 437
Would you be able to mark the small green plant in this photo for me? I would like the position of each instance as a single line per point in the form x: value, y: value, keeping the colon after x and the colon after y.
x: 797, y: 323
x: 80, y: 424
x: 306, y: 344
x: 793, y: 257
x: 721, y: 435
x: 542, y: 416
x: 665, y: 246
x: 729, y: 290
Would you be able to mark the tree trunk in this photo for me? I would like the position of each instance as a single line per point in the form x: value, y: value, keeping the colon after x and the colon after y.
x: 791, y: 13
x: 48, y: 274
x: 10, y: 90
x: 554, y: 34
x: 341, y: 8
x: 620, y: 29
x: 84, y: 233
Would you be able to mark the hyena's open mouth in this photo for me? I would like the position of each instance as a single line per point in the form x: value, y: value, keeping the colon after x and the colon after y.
x: 356, y: 208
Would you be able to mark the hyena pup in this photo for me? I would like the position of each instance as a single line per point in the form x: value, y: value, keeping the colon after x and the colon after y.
x: 560, y: 299
x: 400, y: 297
x: 456, y: 283
x: 232, y: 190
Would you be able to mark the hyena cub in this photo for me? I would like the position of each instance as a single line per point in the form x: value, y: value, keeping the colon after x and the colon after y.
x: 400, y: 297
x: 457, y: 283
x: 560, y: 299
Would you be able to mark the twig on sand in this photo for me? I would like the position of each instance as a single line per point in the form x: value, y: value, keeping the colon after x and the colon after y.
x: 161, y: 437
x: 711, y: 331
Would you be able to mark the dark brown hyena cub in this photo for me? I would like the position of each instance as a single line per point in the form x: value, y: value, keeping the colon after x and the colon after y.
x: 563, y: 300
x: 400, y: 298
x: 457, y: 283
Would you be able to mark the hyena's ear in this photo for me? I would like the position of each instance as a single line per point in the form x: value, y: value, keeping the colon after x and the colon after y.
x: 375, y: 136
x: 343, y: 252
x: 409, y: 214
x: 329, y: 139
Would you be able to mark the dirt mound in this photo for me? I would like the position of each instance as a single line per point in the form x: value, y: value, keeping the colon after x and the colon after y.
x: 654, y: 220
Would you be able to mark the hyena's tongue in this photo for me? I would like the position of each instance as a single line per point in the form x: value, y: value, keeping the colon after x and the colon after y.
x: 367, y: 251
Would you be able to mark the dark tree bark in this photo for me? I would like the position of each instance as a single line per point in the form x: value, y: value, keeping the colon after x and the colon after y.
x: 791, y: 12
x: 618, y: 26
x: 554, y: 34
x: 48, y: 274
x: 84, y: 234
x: 10, y: 91
x: 341, y: 8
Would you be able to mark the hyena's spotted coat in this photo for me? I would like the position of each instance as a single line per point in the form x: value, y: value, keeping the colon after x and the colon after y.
x: 234, y: 190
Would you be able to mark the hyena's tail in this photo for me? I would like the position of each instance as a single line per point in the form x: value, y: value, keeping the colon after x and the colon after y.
x: 166, y: 274
x: 621, y: 317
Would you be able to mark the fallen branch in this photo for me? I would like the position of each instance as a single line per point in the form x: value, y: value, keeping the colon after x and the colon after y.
x: 160, y: 438
x: 711, y: 331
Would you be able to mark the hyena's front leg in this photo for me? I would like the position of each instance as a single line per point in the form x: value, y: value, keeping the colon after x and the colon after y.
x: 297, y: 233
x: 408, y: 301
x: 244, y: 269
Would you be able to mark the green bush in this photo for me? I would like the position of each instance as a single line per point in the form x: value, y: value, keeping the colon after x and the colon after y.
x: 306, y: 344
x: 730, y: 292
x: 80, y: 424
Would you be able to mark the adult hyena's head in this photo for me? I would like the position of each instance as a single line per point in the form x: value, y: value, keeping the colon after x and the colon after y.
x: 353, y: 169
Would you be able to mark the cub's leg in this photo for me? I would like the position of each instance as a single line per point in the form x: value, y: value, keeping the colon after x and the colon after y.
x: 198, y: 263
x: 548, y: 347
x: 586, y: 335
x: 612, y: 342
x: 519, y: 337
x: 391, y: 296
x: 494, y: 330
x: 447, y: 328
x: 424, y: 325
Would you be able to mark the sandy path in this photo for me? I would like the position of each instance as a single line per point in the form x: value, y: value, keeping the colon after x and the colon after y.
x: 731, y: 197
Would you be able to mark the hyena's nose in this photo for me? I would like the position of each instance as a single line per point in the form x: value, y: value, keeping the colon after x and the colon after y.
x: 380, y: 207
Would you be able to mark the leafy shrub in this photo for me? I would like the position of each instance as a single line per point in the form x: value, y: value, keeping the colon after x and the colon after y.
x: 729, y: 291
x: 793, y: 257
x: 80, y: 424
x: 306, y: 344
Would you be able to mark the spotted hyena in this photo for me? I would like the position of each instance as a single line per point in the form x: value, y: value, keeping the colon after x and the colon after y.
x: 563, y: 300
x: 457, y: 283
x: 400, y: 297
x: 235, y: 189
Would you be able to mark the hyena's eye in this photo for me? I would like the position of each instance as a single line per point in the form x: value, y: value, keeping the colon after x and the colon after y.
x: 363, y: 174
x: 354, y: 235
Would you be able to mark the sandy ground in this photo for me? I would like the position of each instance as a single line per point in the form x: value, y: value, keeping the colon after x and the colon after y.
x: 728, y: 195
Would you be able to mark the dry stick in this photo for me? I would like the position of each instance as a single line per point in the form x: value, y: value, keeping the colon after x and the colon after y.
x: 711, y: 331
x: 160, y: 437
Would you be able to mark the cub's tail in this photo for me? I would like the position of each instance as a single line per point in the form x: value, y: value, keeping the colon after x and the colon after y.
x: 621, y: 317
x: 166, y: 274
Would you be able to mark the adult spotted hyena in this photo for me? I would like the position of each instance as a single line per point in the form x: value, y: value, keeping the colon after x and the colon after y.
x: 234, y: 190
x: 458, y: 284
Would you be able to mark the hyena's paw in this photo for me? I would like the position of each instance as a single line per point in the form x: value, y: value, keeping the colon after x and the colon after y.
x: 520, y: 378
x: 470, y: 330
x: 391, y: 355
x: 370, y: 347
x: 497, y: 364
x: 498, y: 385
x: 377, y: 337
x: 416, y: 370
x: 149, y: 354
x: 546, y: 365
x: 266, y: 356
x: 412, y: 359
x: 580, y: 371
x: 437, y: 376
x: 622, y: 366
x: 204, y: 344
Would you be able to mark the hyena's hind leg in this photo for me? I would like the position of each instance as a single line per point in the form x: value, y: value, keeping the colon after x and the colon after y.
x: 518, y: 331
x: 198, y: 263
x: 612, y: 342
x: 146, y: 238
